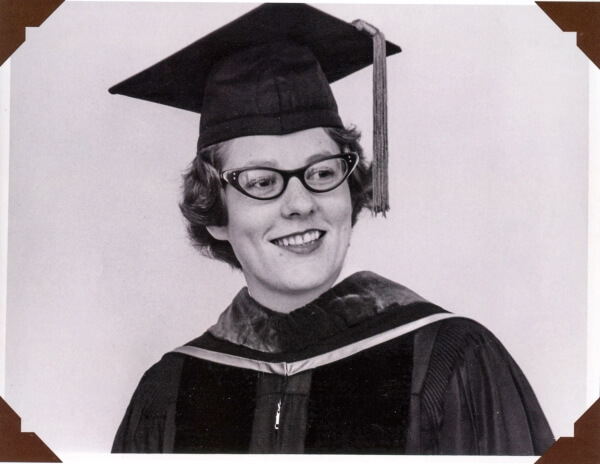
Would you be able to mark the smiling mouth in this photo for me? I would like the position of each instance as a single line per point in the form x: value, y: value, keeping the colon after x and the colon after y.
x: 299, y: 240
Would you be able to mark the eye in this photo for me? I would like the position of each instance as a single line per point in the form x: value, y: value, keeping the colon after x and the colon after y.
x: 260, y: 182
x: 321, y: 173
x: 325, y: 172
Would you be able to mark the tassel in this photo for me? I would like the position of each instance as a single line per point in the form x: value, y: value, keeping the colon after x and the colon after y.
x: 380, y: 140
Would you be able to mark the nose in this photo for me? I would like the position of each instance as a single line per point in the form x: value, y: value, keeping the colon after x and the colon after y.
x: 296, y: 200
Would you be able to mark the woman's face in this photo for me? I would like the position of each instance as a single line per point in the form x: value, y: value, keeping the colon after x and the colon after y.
x: 291, y: 248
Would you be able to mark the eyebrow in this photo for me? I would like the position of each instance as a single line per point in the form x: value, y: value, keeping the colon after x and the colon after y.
x: 273, y: 164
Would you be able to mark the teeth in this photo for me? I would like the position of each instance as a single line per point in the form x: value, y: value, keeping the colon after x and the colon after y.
x: 299, y: 239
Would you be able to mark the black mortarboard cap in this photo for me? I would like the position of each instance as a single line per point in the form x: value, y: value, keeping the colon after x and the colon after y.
x: 265, y: 73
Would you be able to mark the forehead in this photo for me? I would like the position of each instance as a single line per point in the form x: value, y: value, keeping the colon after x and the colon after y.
x: 284, y: 151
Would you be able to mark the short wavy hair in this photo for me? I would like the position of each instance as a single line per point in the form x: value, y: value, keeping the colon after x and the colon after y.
x: 203, y: 202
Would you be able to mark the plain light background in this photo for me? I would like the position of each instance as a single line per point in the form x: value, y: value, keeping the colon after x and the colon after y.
x: 488, y: 109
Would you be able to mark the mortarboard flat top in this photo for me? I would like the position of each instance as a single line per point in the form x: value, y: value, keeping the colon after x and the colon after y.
x: 180, y: 79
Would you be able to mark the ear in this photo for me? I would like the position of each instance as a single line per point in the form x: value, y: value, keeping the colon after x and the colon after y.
x: 218, y: 232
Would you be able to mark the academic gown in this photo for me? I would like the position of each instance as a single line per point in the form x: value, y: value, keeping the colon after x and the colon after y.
x: 368, y: 367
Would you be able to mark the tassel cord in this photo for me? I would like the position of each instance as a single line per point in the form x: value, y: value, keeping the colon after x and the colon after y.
x: 380, y: 137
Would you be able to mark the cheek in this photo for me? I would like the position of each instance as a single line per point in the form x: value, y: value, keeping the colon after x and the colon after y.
x: 341, y: 215
x: 237, y: 206
x: 246, y: 220
x: 345, y: 206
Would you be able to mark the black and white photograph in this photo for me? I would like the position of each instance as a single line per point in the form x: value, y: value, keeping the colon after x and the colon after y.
x: 327, y: 228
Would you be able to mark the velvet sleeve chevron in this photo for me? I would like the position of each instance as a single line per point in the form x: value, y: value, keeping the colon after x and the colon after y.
x: 474, y: 399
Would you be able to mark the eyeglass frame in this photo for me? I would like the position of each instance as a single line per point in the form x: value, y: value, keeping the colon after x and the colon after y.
x: 231, y: 176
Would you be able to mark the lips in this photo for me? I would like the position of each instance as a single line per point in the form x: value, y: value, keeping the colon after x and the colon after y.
x: 302, y: 239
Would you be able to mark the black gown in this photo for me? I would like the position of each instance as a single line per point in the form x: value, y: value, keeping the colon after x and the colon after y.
x: 368, y: 367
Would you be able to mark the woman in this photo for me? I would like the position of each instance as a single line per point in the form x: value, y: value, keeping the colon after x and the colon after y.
x: 298, y: 363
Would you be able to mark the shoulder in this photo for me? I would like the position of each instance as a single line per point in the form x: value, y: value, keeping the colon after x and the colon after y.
x: 159, y: 385
x: 458, y: 346
x: 433, y: 325
x: 444, y: 346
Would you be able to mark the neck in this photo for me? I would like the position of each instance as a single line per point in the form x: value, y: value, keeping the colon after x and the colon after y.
x: 286, y: 301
